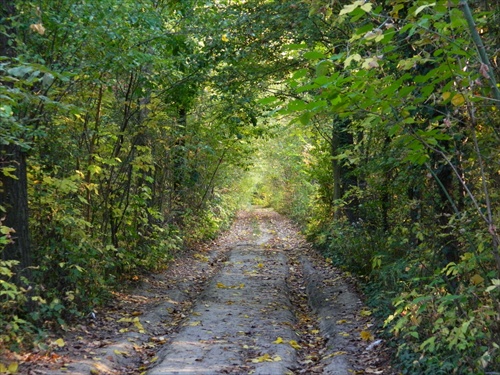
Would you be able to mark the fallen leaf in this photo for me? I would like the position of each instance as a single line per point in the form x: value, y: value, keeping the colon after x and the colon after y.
x: 370, y: 370
x: 366, y: 335
x: 13, y: 367
x: 139, y: 325
x: 294, y: 344
x: 335, y: 354
x: 365, y: 312
x: 263, y: 358
x: 279, y: 340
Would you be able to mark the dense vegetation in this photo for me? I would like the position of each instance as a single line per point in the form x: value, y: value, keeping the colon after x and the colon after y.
x: 132, y: 129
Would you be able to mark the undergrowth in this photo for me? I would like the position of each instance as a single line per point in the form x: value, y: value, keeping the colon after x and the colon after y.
x: 77, y: 271
x: 442, y: 318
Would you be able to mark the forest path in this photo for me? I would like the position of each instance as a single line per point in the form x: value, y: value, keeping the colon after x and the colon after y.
x: 260, y: 301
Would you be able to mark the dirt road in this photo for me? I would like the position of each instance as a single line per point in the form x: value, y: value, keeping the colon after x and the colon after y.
x: 260, y: 301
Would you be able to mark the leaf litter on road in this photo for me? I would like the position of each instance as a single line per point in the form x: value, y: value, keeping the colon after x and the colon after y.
x: 132, y: 333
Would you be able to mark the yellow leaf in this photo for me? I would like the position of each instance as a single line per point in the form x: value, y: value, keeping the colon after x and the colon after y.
x: 260, y: 265
x: 342, y: 321
x: 344, y: 334
x: 367, y: 7
x: 476, y: 279
x: 138, y: 325
x: 13, y: 367
x: 123, y: 330
x: 59, y: 342
x: 277, y: 358
x: 263, y: 358
x: 315, y: 331
x: 294, y: 344
x: 37, y: 28
x: 125, y: 320
x: 458, y: 100
x: 446, y: 95
x: 351, y: 8
x: 365, y: 313
x: 279, y: 340
x: 193, y: 324
x: 201, y: 257
x: 221, y: 286
x: 2, y: 368
x: 154, y: 359
x: 93, y: 371
x: 366, y: 336
x: 224, y: 38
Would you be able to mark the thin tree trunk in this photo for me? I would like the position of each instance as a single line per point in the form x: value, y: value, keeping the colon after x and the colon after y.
x: 336, y: 173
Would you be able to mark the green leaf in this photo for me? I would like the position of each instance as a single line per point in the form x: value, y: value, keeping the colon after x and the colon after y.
x: 314, y: 55
x: 294, y: 47
x: 5, y: 110
x: 429, y: 344
x: 297, y: 105
x: 20, y: 71
x: 267, y: 100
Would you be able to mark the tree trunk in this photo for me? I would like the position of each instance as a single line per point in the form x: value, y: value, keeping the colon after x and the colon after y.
x: 14, y: 199
x: 337, y: 173
x: 13, y: 185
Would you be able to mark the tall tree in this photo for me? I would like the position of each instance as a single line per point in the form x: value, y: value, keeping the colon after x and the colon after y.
x: 13, y: 178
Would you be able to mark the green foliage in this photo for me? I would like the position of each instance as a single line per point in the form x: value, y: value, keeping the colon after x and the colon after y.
x: 138, y: 128
x: 12, y: 300
x: 14, y: 330
x: 279, y: 179
x: 402, y: 114
x: 141, y: 127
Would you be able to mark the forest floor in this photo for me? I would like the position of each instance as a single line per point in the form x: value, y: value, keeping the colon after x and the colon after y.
x: 259, y: 300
